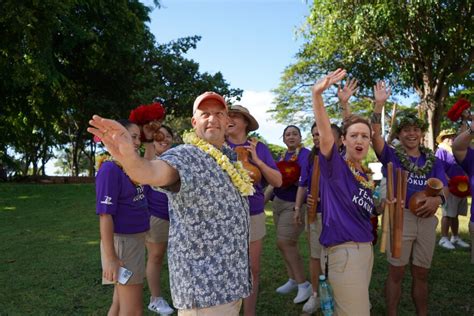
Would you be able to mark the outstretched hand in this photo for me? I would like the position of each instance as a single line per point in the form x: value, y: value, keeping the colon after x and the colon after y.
x: 114, y: 136
x: 330, y: 79
x: 345, y: 93
x: 381, y: 92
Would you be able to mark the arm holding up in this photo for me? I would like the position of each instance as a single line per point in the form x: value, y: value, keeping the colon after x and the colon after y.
x: 345, y: 94
x: 381, y: 94
x: 321, y: 117
x: 462, y: 142
x: 118, y: 142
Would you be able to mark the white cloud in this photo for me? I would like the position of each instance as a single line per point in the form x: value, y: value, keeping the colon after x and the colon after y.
x: 258, y: 103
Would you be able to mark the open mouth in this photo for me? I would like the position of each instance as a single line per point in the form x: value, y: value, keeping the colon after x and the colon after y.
x: 359, y: 149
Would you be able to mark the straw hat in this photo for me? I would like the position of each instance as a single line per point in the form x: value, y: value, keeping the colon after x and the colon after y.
x: 253, y: 124
x: 444, y: 133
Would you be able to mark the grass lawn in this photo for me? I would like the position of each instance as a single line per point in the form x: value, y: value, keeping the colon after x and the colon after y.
x: 50, y: 262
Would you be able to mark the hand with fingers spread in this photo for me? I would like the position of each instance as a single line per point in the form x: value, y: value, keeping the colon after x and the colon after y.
x: 381, y: 93
x: 330, y: 79
x: 114, y: 136
x: 345, y: 93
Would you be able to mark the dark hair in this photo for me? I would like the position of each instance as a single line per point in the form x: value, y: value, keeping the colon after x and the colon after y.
x: 168, y: 129
x: 336, y: 128
x: 126, y: 123
x: 294, y: 126
x: 354, y: 119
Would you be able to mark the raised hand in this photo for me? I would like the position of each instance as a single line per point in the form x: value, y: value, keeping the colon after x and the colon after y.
x: 381, y: 92
x: 114, y: 136
x: 345, y: 93
x: 252, y: 149
x: 330, y: 79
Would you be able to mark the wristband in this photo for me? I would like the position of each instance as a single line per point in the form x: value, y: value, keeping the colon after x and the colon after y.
x: 147, y: 141
x: 443, y: 199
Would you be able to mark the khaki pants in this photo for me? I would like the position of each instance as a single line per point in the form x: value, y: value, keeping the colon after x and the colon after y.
x: 229, y: 309
x: 350, y: 271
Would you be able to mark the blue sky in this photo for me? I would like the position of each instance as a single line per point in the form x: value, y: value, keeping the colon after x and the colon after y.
x: 250, y: 42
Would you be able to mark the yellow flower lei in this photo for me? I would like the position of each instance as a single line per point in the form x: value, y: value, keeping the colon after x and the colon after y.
x: 237, y: 173
x: 105, y: 157
x: 368, y: 184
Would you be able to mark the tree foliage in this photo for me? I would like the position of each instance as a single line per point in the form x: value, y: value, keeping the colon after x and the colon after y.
x: 424, y: 47
x: 63, y: 61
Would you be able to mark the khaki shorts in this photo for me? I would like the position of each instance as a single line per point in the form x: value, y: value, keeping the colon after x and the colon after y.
x: 258, y: 229
x: 418, y: 241
x: 350, y: 271
x: 455, y: 206
x: 286, y: 229
x: 471, y: 232
x: 130, y: 249
x: 159, y: 229
x: 229, y: 309
x: 314, y: 233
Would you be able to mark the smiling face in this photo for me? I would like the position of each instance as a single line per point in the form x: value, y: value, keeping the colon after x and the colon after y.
x: 134, y: 131
x: 410, y: 137
x: 237, y: 124
x: 165, y: 144
x: 210, y: 122
x: 357, y: 141
x: 292, y: 138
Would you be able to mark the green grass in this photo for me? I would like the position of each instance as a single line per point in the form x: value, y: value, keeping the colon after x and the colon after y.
x: 50, y: 262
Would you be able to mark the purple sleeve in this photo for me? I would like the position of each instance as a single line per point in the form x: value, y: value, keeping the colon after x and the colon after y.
x: 388, y: 155
x: 466, y: 164
x: 438, y: 171
x: 107, y: 188
x: 328, y: 168
x: 265, y: 155
x: 303, y: 161
x: 305, y: 174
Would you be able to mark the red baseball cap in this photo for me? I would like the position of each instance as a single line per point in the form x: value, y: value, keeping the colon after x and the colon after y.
x: 206, y: 96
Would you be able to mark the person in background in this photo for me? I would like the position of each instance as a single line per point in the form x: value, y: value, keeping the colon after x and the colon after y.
x: 124, y: 220
x: 465, y: 156
x: 290, y: 165
x: 157, y: 236
x: 456, y: 202
x: 242, y: 123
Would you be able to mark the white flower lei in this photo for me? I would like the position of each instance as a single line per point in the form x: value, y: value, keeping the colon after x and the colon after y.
x: 237, y: 173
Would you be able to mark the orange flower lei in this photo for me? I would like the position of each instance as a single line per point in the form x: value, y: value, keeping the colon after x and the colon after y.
x: 368, y: 184
x: 293, y: 157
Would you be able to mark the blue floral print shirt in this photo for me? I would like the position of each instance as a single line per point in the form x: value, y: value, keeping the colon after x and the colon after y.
x: 208, y: 253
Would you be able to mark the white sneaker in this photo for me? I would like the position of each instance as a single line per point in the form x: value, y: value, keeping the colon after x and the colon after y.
x: 445, y: 243
x: 312, y: 305
x: 160, y: 306
x: 304, y: 292
x: 288, y: 287
x: 458, y: 241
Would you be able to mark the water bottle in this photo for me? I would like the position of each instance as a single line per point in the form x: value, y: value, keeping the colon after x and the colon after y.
x: 325, y: 296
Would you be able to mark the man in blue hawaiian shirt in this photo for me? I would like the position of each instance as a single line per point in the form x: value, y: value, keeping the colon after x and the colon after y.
x: 209, y: 216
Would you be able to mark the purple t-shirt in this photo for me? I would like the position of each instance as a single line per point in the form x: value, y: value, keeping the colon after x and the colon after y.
x: 289, y: 193
x: 306, y: 178
x: 346, y: 205
x: 118, y: 196
x: 257, y: 200
x: 450, y: 164
x: 158, y: 204
x: 415, y: 182
x: 468, y: 165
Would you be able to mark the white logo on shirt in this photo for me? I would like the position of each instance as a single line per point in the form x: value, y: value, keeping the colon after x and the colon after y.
x: 107, y: 200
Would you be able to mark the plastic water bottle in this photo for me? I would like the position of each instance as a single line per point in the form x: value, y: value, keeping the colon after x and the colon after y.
x: 325, y: 296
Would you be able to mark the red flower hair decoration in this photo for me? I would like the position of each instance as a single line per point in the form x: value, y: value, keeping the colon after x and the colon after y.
x: 455, y: 112
x: 147, y: 113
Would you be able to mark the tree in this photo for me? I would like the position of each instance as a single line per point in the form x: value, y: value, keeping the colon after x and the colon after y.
x: 420, y: 46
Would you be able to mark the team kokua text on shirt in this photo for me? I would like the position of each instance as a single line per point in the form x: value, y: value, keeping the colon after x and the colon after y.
x: 364, y: 200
